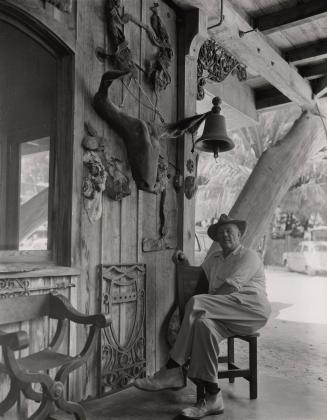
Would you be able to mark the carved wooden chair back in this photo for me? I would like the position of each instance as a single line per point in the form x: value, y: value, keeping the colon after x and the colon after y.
x: 24, y: 308
x: 188, y: 277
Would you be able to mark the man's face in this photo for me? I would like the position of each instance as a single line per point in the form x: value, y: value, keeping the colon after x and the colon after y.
x: 228, y: 236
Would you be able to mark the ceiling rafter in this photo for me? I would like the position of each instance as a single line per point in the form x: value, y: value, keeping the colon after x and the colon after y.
x: 254, y: 50
x: 290, y: 17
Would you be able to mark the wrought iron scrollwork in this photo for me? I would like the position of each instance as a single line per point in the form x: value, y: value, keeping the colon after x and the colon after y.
x: 215, y: 63
x: 123, y: 342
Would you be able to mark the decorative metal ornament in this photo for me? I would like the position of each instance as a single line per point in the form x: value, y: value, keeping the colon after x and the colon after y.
x: 215, y: 63
x: 123, y: 342
x: 63, y: 5
x: 214, y: 137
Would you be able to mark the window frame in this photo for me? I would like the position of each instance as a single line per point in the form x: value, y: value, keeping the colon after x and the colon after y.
x: 61, y: 172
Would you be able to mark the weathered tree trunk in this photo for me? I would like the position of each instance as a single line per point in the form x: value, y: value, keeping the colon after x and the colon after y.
x: 274, y: 173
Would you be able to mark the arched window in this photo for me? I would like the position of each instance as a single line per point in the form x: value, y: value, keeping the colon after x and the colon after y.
x: 35, y: 143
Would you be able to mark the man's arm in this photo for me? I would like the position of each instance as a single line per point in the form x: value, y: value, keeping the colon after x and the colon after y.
x: 245, y: 269
x: 203, y: 285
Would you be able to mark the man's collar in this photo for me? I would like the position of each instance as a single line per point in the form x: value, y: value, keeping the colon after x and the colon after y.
x: 236, y: 251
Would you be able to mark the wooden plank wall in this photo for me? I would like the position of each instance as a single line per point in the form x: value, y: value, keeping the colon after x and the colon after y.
x: 117, y: 237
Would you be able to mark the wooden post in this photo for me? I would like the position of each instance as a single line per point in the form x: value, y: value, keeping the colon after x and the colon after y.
x: 274, y: 173
x: 192, y: 33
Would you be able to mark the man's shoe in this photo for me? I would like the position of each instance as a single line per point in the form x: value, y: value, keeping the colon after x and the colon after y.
x: 173, y: 379
x: 212, y: 404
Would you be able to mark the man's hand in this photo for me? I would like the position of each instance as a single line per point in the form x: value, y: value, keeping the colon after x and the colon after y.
x: 180, y: 257
x: 224, y: 289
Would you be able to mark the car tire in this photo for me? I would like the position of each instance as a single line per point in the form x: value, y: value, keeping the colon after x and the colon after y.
x: 310, y: 271
x: 286, y: 266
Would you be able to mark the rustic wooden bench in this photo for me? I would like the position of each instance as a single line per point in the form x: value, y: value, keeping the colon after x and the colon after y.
x: 187, y: 282
x: 24, y: 371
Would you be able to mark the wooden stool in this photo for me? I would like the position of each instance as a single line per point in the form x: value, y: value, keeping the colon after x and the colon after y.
x: 187, y: 280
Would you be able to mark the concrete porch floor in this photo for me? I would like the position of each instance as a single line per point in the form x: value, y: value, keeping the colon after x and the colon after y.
x: 279, y: 399
x: 292, y: 366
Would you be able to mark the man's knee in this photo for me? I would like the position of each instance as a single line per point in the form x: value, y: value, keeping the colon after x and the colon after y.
x: 191, y: 303
x: 204, y: 324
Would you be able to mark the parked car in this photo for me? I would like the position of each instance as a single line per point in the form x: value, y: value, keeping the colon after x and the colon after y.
x: 201, y: 245
x: 309, y: 257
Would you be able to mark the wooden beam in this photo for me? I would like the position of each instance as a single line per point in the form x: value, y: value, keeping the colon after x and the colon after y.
x: 313, y: 71
x: 291, y: 16
x: 254, y: 50
x: 268, y: 98
x: 306, y: 53
x: 191, y: 34
x: 319, y: 87
x: 238, y: 105
x: 33, y: 214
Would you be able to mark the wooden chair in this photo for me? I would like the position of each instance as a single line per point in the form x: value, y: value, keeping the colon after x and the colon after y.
x: 187, y: 282
x: 31, y: 369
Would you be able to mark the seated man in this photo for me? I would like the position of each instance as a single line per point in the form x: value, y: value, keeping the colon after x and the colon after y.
x: 235, y: 303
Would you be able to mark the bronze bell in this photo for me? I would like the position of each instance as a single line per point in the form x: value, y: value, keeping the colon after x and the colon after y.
x: 214, y: 137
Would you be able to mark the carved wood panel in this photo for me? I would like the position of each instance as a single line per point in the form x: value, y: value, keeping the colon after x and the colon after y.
x: 122, y: 346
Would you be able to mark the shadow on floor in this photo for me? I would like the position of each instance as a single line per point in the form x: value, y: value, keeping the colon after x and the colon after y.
x: 279, y: 399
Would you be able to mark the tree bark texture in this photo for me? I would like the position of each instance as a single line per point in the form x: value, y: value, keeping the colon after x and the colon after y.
x: 274, y: 173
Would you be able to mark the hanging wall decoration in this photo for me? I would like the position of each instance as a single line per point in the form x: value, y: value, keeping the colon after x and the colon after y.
x: 93, y: 185
x: 215, y: 63
x: 141, y: 138
x: 105, y: 175
x: 157, y: 71
x: 121, y: 56
x: 122, y: 291
x: 191, y: 183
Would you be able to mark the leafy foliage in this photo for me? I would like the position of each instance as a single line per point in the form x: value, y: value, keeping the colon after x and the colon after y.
x: 228, y: 175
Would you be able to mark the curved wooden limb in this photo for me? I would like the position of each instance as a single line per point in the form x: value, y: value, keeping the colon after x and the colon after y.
x: 60, y: 333
x: 46, y: 407
x: 29, y: 393
x: 22, y: 375
x: 61, y: 308
x: 11, y: 397
x: 71, y: 407
x: 79, y: 360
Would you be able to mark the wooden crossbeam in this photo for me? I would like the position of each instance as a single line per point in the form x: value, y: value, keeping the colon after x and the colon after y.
x: 253, y: 50
x: 292, y: 16
x: 317, y: 50
x: 268, y: 98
